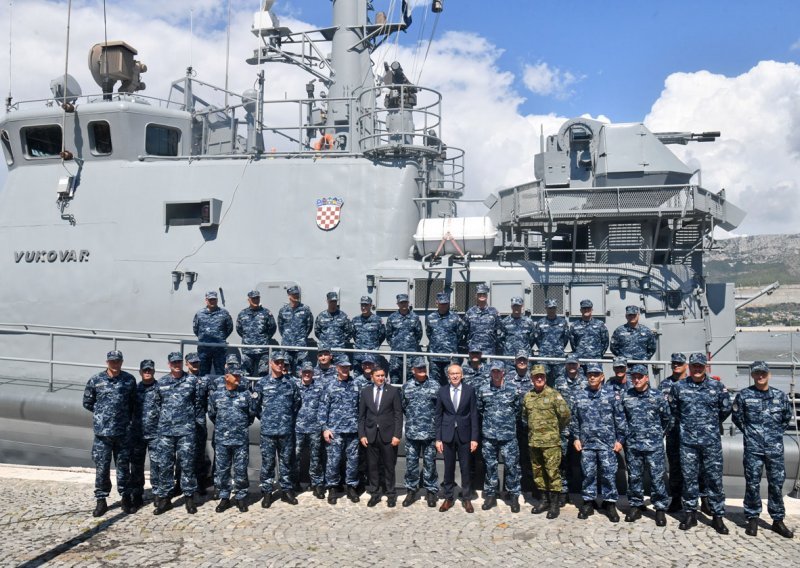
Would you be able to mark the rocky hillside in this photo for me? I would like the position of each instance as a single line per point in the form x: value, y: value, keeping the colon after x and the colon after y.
x: 756, y: 260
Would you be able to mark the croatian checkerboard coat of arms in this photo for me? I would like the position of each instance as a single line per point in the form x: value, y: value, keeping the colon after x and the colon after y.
x: 329, y: 212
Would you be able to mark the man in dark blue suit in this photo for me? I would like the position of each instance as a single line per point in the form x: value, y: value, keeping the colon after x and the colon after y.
x: 456, y: 435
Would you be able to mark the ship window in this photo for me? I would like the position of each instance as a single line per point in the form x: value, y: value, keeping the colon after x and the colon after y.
x: 162, y: 140
x: 42, y: 141
x: 7, y: 147
x: 100, y: 138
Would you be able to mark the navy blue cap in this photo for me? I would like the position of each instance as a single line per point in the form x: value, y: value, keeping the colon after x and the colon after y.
x: 497, y: 365
x: 211, y: 295
x: 293, y: 290
x: 631, y: 310
x: 443, y: 297
x: 368, y: 358
x: 332, y: 296
x: 759, y: 366
x: 114, y: 356
x: 678, y: 358
x: 234, y: 370
x: 192, y: 357
x: 307, y: 366
x: 254, y: 294
x: 698, y: 359
x: 521, y: 354
x: 571, y: 358
x: 343, y: 361
x: 323, y: 348
x: 278, y: 356
x: 366, y: 300
x: 594, y: 368
x: 619, y: 362
x: 586, y: 304
x: 232, y: 358
x: 419, y: 363
x: 550, y: 304
x: 475, y: 347
x: 147, y: 364
x: 175, y: 356
x: 517, y: 301
x: 481, y: 289
x: 640, y: 369
x: 402, y: 298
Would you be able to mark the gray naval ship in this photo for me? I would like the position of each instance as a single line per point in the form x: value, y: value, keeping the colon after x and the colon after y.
x: 121, y: 210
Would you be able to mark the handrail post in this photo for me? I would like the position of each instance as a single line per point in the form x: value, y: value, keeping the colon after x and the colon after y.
x: 405, y: 371
x: 52, y: 355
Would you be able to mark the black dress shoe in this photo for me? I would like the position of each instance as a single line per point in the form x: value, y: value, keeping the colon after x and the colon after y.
x: 127, y: 505
x: 689, y: 521
x: 515, y: 504
x: 191, y: 508
x: 661, y: 518
x: 374, y: 500
x: 289, y: 497
x: 224, y: 505
x: 633, y: 515
x: 241, y: 504
x: 410, y: 496
x: 488, y: 503
x: 780, y: 528
x: 100, y: 508
x: 752, y: 527
x: 391, y: 501
x: 431, y: 498
x: 447, y: 504
x: 266, y: 501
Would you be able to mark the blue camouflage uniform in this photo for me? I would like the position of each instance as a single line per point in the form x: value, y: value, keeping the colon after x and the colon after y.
x: 570, y: 389
x: 111, y: 400
x: 276, y: 404
x: 499, y: 408
x: 255, y: 327
x: 516, y: 334
x: 476, y: 378
x: 308, y: 432
x: 333, y: 329
x: 588, y: 339
x: 144, y: 430
x: 633, y: 342
x: 232, y: 412
x: 551, y: 336
x: 212, y: 326
x: 482, y: 327
x: 295, y: 325
x: 673, y: 444
x: 325, y: 377
x: 368, y: 333
x: 403, y: 332
x: 180, y: 411
x: 763, y: 416
x: 648, y: 418
x: 338, y: 412
x: 523, y: 385
x: 615, y: 383
x: 445, y: 333
x: 419, y: 406
x: 699, y: 409
x: 598, y: 422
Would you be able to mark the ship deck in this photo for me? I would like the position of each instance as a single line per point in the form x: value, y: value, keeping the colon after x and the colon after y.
x: 47, y: 519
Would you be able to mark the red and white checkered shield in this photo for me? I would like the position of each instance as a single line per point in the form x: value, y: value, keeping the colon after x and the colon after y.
x: 329, y: 212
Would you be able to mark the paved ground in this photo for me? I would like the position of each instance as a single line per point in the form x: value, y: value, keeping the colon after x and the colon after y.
x: 45, y: 519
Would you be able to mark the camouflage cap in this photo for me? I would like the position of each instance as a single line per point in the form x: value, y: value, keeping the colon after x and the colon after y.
x: 517, y: 301
x: 254, y: 294
x: 366, y: 300
x: 521, y: 354
x: 639, y: 369
x: 594, y: 368
x: 114, y: 356
x: 368, y: 358
x: 232, y: 358
x: 443, y: 298
x: 343, y: 361
x: 586, y: 304
x: 332, y: 296
x: 571, y: 358
x: 175, y: 356
x: 481, y: 289
x: 147, y: 364
x: 759, y: 366
x: 698, y: 359
x: 211, y: 295
x: 401, y: 298
x: 619, y: 362
x: 323, y: 348
x: 678, y: 358
x: 293, y: 290
x: 278, y: 355
x: 419, y: 363
x: 475, y: 347
x: 631, y: 310
x: 263, y: 367
x: 307, y: 367
x: 550, y: 304
x: 497, y: 365
x: 538, y: 370
x: 192, y: 357
x: 234, y: 371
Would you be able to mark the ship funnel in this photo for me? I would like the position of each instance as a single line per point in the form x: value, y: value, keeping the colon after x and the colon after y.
x: 114, y: 61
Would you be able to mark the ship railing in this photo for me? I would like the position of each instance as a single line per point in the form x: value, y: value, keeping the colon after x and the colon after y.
x: 93, y: 98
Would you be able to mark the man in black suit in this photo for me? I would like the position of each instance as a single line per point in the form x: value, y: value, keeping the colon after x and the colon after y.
x: 380, y: 426
x: 456, y: 435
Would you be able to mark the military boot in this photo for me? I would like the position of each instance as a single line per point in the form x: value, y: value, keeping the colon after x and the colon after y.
x: 319, y: 492
x: 266, y: 501
x: 586, y: 510
x: 191, y: 508
x: 352, y: 494
x: 752, y: 527
x: 138, y: 501
x: 410, y: 496
x: 100, y: 508
x: 515, y: 503
x: 674, y: 505
x: 543, y: 505
x: 224, y: 505
x: 562, y: 499
x: 555, y: 505
x: 633, y: 515
x: 689, y: 521
x: 241, y: 504
x: 705, y: 508
x: 489, y: 502
x: 431, y: 498
x: 718, y: 525
x: 661, y: 518
x: 127, y: 505
x: 780, y: 528
x: 163, y: 504
x: 332, y: 496
x: 611, y: 512
x: 289, y: 497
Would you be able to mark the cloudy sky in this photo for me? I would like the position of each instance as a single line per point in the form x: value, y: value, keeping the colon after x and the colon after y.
x: 506, y: 68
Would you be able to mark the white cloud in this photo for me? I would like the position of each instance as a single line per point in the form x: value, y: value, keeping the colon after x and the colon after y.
x: 542, y: 79
x: 757, y: 158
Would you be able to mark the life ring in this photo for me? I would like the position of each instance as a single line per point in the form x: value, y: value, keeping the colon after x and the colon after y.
x: 325, y: 143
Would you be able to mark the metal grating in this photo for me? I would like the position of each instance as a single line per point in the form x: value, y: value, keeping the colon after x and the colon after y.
x: 666, y: 200
x: 462, y: 294
x: 542, y: 292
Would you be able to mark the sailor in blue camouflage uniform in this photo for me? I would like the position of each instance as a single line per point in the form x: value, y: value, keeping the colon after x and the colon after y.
x: 144, y: 428
x: 325, y: 370
x: 110, y: 396
x: 232, y: 411
x: 212, y: 324
x: 308, y: 432
x: 647, y: 414
x: 519, y: 377
x: 633, y: 340
x: 255, y: 325
x: 598, y: 429
x: 700, y: 404
x: 499, y: 408
x: 419, y: 408
x: 763, y: 413
x: 680, y: 370
x: 569, y: 385
x: 338, y: 418
x: 588, y: 336
x: 551, y: 334
x: 516, y: 332
x: 205, y: 383
x: 369, y: 332
x: 445, y: 331
x: 295, y: 322
x: 482, y: 322
x: 277, y: 400
x: 332, y: 325
x: 475, y: 372
x: 403, y: 332
x: 619, y: 380
x: 178, y: 399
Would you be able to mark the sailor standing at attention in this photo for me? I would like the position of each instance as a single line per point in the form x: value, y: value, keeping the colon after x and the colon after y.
x: 212, y: 324
x: 295, y: 322
x: 255, y: 325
